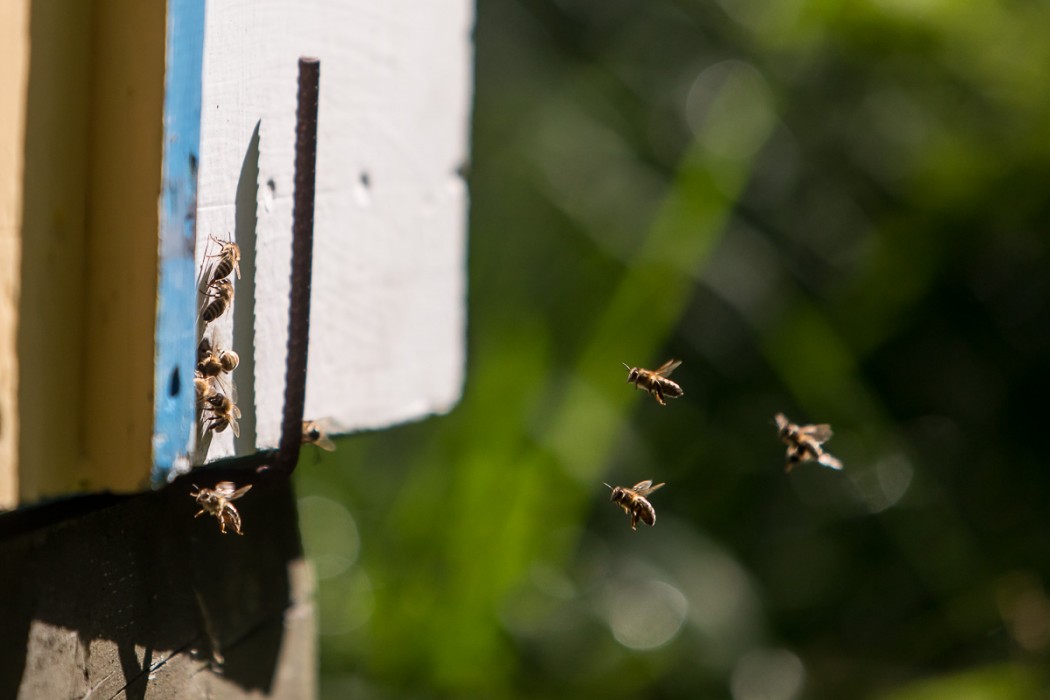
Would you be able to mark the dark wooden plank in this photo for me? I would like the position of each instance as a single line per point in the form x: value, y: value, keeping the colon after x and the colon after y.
x: 134, y: 597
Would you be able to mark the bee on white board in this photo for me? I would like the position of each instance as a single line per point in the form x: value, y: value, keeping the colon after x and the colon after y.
x: 205, y: 387
x: 655, y: 381
x: 224, y: 414
x: 805, y: 443
x: 229, y: 259
x: 217, y: 502
x: 211, y: 362
x: 634, y: 502
x: 218, y: 298
x: 215, y: 365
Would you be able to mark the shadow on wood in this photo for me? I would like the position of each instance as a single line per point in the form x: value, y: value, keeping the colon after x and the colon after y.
x: 108, y: 594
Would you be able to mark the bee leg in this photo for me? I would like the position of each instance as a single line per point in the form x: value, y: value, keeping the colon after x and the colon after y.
x: 659, y: 396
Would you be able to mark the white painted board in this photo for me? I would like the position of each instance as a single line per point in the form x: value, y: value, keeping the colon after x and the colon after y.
x: 388, y: 316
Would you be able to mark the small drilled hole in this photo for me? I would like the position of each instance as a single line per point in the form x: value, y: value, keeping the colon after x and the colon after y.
x: 175, y: 383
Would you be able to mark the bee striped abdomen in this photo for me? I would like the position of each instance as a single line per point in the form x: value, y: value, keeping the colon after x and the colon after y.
x: 655, y: 382
x: 634, y: 503
x: 221, y: 295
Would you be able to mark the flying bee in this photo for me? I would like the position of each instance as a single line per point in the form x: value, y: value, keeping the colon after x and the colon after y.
x: 805, y: 443
x: 634, y: 503
x: 224, y: 413
x: 217, y: 502
x: 229, y: 260
x: 656, y: 381
x: 314, y: 433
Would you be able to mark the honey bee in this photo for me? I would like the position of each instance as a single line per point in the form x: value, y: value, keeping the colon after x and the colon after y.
x: 215, y: 366
x: 314, y: 434
x: 213, y: 362
x: 205, y: 387
x: 634, y: 503
x: 217, y: 502
x: 804, y: 443
x: 224, y: 413
x: 229, y: 257
x: 656, y: 381
x: 220, y: 294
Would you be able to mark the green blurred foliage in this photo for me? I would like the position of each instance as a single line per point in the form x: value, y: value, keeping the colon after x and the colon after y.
x: 832, y: 209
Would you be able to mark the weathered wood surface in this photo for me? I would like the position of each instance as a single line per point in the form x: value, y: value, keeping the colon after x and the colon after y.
x: 133, y: 597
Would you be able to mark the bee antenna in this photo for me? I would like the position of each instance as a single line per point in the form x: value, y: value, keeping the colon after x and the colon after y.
x: 610, y: 487
x: 625, y: 366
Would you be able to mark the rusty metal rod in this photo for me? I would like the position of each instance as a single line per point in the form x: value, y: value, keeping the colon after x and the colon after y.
x: 302, y: 265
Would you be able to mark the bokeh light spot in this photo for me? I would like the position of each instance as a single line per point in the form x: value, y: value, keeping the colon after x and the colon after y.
x: 767, y: 674
x: 329, y: 535
x: 645, y: 614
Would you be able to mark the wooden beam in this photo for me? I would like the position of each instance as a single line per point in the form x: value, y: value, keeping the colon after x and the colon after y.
x: 89, y: 236
x: 54, y: 222
x: 126, y: 138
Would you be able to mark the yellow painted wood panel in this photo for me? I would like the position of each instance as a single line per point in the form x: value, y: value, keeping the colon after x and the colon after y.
x: 51, y: 334
x: 126, y: 144
x: 14, y: 62
x: 92, y: 178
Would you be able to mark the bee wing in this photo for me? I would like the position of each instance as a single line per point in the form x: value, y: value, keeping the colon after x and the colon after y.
x: 225, y: 489
x: 820, y: 433
x: 320, y: 426
x: 829, y: 461
x: 239, y: 492
x: 644, y: 488
x: 227, y: 386
x: 666, y: 368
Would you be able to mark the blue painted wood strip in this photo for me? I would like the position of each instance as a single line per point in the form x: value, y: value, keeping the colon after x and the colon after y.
x: 174, y: 399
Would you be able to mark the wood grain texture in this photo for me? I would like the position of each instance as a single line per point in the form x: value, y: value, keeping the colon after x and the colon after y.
x: 388, y: 305
x: 103, y: 607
